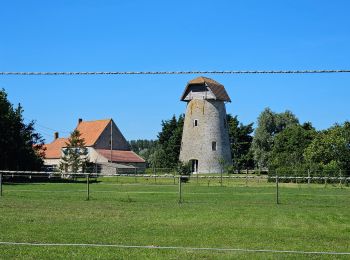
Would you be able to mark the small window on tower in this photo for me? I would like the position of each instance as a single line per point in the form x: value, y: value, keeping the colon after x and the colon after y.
x: 195, y: 122
x: 213, y: 146
x: 225, y: 123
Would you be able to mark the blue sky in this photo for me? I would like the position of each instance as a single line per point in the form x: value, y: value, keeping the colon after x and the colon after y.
x: 173, y: 35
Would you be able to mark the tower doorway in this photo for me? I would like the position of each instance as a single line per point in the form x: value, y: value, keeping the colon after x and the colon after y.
x: 194, y: 166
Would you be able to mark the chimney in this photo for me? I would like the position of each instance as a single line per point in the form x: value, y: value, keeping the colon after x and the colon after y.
x: 56, y: 135
x: 80, y: 120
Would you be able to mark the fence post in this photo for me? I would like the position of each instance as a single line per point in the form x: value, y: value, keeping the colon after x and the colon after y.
x: 221, y: 178
x: 87, y: 187
x: 246, y: 179
x: 308, y: 177
x: 0, y: 184
x: 135, y: 173
x: 277, y: 192
x: 180, y: 190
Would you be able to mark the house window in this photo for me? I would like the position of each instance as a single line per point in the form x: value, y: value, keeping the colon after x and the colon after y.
x: 213, y: 146
x: 195, y: 122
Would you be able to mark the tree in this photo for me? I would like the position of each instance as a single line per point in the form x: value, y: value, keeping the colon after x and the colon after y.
x: 75, y: 154
x: 269, y: 124
x: 144, y: 148
x: 330, y: 149
x: 158, y: 159
x: 142, y: 144
x: 166, y: 154
x: 21, y: 148
x: 241, y: 141
x: 287, y: 153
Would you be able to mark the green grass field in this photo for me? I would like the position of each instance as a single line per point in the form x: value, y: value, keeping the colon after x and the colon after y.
x: 145, y: 212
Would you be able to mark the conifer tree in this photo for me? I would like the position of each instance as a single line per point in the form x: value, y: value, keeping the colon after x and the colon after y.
x: 75, y: 154
x: 20, y: 145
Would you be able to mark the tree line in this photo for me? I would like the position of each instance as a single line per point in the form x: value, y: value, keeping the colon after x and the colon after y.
x: 278, y: 144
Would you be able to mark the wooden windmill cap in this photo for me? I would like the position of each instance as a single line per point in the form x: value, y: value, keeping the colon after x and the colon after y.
x: 215, y: 87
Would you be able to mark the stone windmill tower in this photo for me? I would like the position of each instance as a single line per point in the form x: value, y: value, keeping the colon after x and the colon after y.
x: 205, y: 140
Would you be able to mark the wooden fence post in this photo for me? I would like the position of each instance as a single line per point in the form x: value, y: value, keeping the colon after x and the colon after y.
x: 277, y: 192
x: 87, y: 187
x: 246, y: 179
x: 0, y: 184
x: 180, y: 190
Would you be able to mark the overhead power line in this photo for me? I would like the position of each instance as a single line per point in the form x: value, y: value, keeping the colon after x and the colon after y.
x: 55, y: 73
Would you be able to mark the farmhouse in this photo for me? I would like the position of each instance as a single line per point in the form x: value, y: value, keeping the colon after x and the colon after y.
x: 106, y: 145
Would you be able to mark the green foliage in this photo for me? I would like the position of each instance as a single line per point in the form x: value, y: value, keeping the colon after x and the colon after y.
x: 241, y: 141
x: 184, y: 168
x: 144, y: 148
x: 269, y: 125
x: 158, y: 159
x: 331, y: 149
x: 20, y: 145
x: 287, y: 154
x: 166, y: 154
x: 75, y: 154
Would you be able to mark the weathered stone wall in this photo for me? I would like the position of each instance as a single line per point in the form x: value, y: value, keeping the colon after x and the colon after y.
x: 197, y: 140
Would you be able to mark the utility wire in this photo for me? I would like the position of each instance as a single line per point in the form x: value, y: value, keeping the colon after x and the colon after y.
x: 46, y: 127
x: 52, y: 73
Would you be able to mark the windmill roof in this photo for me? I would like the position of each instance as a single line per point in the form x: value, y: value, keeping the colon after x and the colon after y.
x: 218, y: 89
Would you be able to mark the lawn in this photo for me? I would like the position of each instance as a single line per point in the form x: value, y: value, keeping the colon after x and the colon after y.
x: 145, y: 212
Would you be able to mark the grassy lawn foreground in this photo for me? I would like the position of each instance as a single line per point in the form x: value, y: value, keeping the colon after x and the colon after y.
x: 125, y: 211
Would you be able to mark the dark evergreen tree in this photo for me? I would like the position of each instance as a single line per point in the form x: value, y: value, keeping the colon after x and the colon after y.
x: 241, y: 140
x: 167, y: 151
x: 21, y: 148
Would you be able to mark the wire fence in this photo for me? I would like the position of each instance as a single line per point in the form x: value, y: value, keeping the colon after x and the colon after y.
x: 182, y: 187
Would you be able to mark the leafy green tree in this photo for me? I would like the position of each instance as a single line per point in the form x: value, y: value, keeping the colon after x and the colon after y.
x: 75, y: 154
x: 21, y: 148
x: 269, y: 125
x: 330, y: 150
x: 144, y: 148
x: 158, y: 159
x: 142, y: 144
x: 241, y: 141
x: 287, y: 154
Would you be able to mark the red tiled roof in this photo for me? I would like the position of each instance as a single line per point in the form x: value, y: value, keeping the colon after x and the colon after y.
x: 217, y: 89
x: 121, y: 156
x: 53, y: 150
x: 91, y: 130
